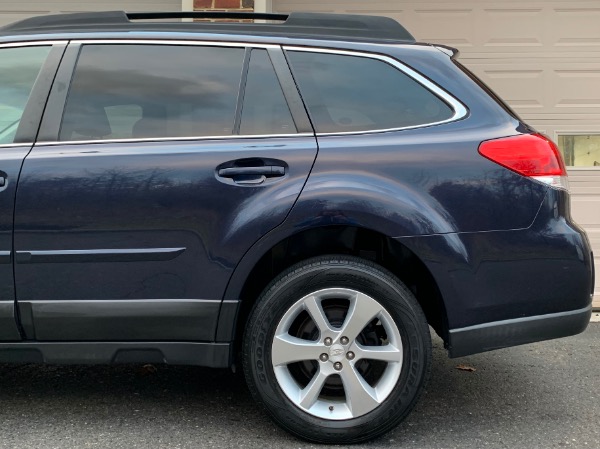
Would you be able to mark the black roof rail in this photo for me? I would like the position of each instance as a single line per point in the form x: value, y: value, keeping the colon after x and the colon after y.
x: 296, y: 23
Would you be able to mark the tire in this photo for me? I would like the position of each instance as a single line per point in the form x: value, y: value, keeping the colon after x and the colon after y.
x: 317, y: 384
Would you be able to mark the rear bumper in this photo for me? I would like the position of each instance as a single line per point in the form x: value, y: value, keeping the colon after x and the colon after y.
x: 502, y: 334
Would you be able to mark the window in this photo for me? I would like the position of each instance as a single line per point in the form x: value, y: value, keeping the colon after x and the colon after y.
x: 149, y: 91
x: 351, y: 93
x: 19, y: 68
x: 580, y: 150
x: 265, y: 110
x: 123, y: 118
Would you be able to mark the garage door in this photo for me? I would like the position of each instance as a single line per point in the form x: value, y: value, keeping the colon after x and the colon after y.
x: 542, y: 57
x: 11, y: 11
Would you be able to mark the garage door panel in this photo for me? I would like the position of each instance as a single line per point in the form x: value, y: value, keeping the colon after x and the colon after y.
x: 586, y: 210
x: 579, y: 23
x: 482, y: 26
x: 538, y: 86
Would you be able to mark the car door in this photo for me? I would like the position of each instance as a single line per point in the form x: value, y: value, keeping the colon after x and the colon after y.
x: 26, y: 72
x: 154, y: 172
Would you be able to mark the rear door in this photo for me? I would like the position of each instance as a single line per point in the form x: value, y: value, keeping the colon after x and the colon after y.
x: 166, y: 163
x: 26, y: 73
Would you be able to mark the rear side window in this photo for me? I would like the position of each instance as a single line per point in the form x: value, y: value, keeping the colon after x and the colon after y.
x: 19, y: 68
x: 351, y: 93
x: 265, y: 110
x: 150, y: 91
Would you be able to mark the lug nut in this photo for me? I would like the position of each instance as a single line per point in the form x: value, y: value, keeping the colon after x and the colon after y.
x: 344, y: 340
x: 337, y: 366
x: 328, y: 341
x: 323, y: 357
x: 350, y: 355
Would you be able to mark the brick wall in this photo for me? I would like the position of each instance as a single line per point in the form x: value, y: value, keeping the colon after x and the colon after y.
x: 224, y: 5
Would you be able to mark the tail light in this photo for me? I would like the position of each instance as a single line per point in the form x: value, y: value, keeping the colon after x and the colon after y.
x: 531, y: 155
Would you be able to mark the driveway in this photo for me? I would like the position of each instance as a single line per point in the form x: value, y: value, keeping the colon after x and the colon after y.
x: 545, y: 395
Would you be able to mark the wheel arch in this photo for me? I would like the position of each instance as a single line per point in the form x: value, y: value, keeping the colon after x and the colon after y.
x: 281, y: 249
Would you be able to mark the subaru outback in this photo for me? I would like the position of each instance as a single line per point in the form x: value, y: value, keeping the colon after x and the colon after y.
x: 300, y: 195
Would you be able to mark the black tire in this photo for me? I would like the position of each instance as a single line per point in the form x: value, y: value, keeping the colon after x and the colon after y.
x: 348, y: 273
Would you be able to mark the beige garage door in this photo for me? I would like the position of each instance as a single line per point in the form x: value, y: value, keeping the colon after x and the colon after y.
x: 11, y: 11
x: 542, y: 57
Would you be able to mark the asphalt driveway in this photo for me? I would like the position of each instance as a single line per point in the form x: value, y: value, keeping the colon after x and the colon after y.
x: 545, y: 395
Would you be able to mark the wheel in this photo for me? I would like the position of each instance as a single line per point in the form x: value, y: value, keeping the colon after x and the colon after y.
x: 337, y: 350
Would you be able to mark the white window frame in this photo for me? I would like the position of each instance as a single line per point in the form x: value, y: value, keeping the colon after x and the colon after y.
x: 577, y: 133
x: 263, y: 5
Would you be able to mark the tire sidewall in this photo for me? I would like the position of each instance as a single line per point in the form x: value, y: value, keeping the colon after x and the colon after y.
x: 368, y: 279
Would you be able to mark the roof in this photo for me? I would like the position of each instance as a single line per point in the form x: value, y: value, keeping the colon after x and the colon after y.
x: 305, y: 25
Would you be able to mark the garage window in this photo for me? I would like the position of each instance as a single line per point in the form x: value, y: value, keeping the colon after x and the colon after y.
x: 581, y: 150
x: 352, y: 93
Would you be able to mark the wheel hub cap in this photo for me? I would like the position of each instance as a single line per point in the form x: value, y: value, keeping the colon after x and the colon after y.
x: 336, y: 353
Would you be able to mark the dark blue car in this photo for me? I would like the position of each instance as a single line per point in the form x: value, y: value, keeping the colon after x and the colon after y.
x: 303, y: 195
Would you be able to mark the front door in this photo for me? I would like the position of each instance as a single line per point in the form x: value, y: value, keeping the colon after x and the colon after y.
x: 170, y: 162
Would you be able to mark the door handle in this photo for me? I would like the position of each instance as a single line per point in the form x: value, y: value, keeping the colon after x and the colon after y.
x: 265, y: 170
x: 252, y: 175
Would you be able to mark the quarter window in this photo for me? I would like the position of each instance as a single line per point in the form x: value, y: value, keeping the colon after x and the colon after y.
x: 19, y: 68
x: 351, y: 93
x: 152, y: 91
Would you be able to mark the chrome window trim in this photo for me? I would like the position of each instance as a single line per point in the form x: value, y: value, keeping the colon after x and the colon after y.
x: 460, y: 110
x: 16, y: 145
x: 173, y: 139
x: 33, y: 44
x: 142, y: 41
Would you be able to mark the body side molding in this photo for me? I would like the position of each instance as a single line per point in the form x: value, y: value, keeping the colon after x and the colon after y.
x: 98, y: 255
x: 213, y: 355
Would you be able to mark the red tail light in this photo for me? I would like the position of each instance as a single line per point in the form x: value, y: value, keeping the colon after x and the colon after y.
x: 531, y: 155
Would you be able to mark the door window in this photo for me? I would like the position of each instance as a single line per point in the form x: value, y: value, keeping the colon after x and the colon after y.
x: 352, y: 93
x: 265, y: 110
x: 19, y: 68
x: 152, y: 91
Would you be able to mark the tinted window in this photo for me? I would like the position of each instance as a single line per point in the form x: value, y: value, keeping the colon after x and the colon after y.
x: 265, y: 110
x: 19, y: 68
x: 123, y: 118
x: 146, y: 91
x: 350, y: 93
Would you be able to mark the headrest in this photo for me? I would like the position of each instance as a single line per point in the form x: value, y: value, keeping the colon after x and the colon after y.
x: 88, y: 120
